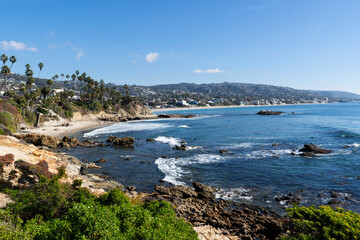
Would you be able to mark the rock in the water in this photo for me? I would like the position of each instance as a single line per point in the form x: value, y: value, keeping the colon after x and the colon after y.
x: 312, y: 148
x: 181, y: 147
x: 163, y: 115
x: 223, y: 151
x: 150, y: 140
x: 93, y: 165
x: 269, y: 112
x: 121, y: 141
x: 289, y: 198
x: 101, y: 160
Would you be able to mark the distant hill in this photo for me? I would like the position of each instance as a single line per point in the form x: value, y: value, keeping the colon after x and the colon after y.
x: 228, y: 89
x: 242, y: 90
x: 338, y: 94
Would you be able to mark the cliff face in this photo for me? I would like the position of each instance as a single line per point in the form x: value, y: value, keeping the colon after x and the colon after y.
x: 134, y: 111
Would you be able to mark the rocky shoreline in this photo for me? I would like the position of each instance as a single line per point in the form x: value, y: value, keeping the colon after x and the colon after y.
x: 29, y: 155
x: 23, y: 162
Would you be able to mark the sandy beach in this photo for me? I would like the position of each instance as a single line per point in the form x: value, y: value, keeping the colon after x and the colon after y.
x: 60, y: 131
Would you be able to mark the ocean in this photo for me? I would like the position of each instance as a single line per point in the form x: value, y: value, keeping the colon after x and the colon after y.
x: 262, y: 162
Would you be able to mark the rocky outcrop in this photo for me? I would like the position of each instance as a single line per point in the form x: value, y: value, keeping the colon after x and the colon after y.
x: 40, y: 140
x: 269, y: 112
x: 22, y: 164
x: 53, y: 142
x: 163, y: 115
x: 312, y: 148
x: 200, y: 208
x: 121, y: 141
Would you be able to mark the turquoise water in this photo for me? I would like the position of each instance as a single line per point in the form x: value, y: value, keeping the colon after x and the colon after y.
x: 260, y: 165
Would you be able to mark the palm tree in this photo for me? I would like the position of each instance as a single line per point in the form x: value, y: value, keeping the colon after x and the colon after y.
x: 62, y: 76
x: 12, y: 60
x: 41, y: 65
x: 4, y: 58
x: 29, y: 73
x: 5, y: 70
x: 49, y: 82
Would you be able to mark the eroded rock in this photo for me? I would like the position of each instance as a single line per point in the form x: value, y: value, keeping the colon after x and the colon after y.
x: 312, y: 148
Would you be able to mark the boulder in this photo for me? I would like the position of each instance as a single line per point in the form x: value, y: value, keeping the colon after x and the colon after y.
x: 223, y: 151
x: 121, y: 141
x: 269, y: 112
x: 312, y: 148
x: 181, y: 147
x: 93, y: 165
x: 101, y: 160
x: 7, y: 159
x: 74, y: 142
x: 163, y: 115
x: 49, y: 141
x: 204, y: 192
x: 176, y: 191
x: 150, y: 140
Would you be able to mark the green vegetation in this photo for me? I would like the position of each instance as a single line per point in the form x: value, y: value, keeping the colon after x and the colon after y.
x: 323, y: 223
x: 86, y: 95
x: 51, y: 210
x: 8, y: 121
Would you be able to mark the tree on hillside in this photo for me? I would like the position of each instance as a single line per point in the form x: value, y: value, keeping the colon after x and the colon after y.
x: 29, y: 73
x: 12, y: 60
x: 41, y: 65
x: 5, y: 70
x: 4, y: 59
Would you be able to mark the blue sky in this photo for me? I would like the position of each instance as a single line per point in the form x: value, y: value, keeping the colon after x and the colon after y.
x: 300, y: 44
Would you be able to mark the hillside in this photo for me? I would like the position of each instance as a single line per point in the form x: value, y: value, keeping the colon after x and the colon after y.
x: 338, y: 94
x: 242, y: 90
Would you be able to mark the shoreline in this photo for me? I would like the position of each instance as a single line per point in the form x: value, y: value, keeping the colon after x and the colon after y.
x: 60, y: 131
x: 231, y: 106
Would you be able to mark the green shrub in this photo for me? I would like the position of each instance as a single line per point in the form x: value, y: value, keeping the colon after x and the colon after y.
x: 42, y: 110
x: 114, y: 197
x: 8, y: 121
x: 323, y: 223
x: 30, y: 116
x: 52, y: 210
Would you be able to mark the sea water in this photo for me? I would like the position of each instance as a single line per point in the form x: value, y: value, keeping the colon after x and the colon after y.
x: 262, y: 160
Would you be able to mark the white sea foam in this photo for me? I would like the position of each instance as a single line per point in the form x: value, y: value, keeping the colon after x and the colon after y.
x: 126, y: 127
x: 269, y: 153
x: 355, y: 145
x: 184, y: 126
x: 234, y: 194
x: 242, y: 145
x: 173, y: 167
x: 169, y: 140
x: 193, y: 147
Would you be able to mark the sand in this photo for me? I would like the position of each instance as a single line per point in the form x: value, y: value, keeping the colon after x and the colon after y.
x: 60, y: 131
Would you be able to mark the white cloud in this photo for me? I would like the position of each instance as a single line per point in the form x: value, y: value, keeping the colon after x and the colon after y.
x: 214, y: 70
x: 52, y: 46
x: 152, y: 57
x: 16, y: 46
x: 79, y: 52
